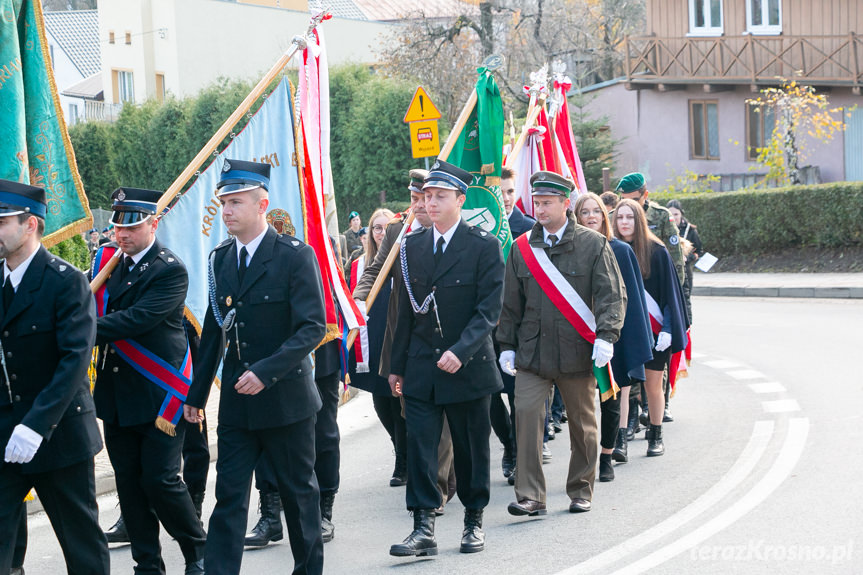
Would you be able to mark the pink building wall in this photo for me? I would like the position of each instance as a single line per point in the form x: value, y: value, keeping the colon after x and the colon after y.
x: 654, y: 129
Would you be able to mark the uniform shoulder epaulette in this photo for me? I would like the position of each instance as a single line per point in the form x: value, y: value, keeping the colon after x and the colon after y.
x: 478, y: 231
x: 168, y: 256
x: 60, y: 265
x: 287, y: 240
x: 224, y: 244
x: 413, y: 233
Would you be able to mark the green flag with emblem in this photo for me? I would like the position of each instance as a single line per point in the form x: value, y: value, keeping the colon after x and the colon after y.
x: 34, y: 143
x: 479, y: 150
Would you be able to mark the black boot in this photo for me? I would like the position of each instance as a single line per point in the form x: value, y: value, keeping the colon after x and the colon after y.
x: 400, y: 472
x: 117, y: 533
x: 620, y: 453
x: 655, y: 447
x: 421, y: 541
x: 472, y: 538
x: 507, y: 463
x: 269, y: 526
x: 328, y: 530
x: 666, y: 415
x: 606, y: 469
x: 632, y: 424
x: 644, y: 418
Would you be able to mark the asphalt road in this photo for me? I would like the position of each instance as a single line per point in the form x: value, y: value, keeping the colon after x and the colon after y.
x: 760, y: 475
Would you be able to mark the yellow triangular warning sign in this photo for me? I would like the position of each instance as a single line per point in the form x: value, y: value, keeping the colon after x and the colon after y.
x: 421, y: 108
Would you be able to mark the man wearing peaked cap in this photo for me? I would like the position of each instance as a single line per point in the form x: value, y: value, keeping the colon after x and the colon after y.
x: 267, y: 305
x: 48, y: 429
x: 142, y: 317
x: 582, y: 281
x: 446, y: 473
x: 443, y: 358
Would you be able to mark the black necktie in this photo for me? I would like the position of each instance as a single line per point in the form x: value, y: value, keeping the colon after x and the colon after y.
x: 438, y: 253
x: 8, y: 293
x: 128, y: 262
x: 241, y: 271
x: 552, y: 240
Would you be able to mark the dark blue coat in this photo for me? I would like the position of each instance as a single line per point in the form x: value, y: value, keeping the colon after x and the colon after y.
x: 664, y: 286
x: 372, y: 381
x: 519, y: 223
x: 468, y: 285
x: 635, y: 346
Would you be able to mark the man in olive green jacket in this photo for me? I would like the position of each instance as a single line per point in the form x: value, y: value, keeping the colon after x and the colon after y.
x: 545, y: 348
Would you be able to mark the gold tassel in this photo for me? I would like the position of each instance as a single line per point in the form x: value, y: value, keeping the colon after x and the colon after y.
x: 492, y: 181
x: 166, y: 426
x: 30, y: 496
x: 486, y: 169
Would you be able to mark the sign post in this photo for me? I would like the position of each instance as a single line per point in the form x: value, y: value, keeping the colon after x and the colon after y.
x: 422, y: 117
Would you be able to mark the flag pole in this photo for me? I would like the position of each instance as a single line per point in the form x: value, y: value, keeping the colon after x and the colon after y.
x: 384, y: 273
x: 532, y: 115
x: 297, y: 43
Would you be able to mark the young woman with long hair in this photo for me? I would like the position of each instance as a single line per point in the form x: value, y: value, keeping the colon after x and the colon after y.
x: 632, y: 350
x: 665, y: 306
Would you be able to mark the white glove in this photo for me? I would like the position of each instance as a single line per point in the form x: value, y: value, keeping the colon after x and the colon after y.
x: 361, y: 305
x: 663, y: 341
x: 602, y: 352
x: 22, y: 445
x: 507, y: 362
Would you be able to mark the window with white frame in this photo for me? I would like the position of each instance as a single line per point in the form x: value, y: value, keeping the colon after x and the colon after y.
x: 705, y: 17
x: 73, y: 114
x: 764, y: 16
x: 125, y: 86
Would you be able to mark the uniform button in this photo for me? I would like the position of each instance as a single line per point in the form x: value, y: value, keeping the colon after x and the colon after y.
x: 246, y: 365
x: 244, y: 345
x: 116, y: 369
x: 33, y: 327
x: 437, y: 350
x: 113, y: 350
x: 112, y: 310
x: 458, y: 281
x: 239, y: 304
x: 483, y: 358
x: 54, y: 426
x: 78, y: 409
x: 434, y: 288
x: 266, y: 298
x: 241, y: 324
x: 300, y: 370
x: 8, y: 354
x: 17, y: 398
x: 274, y: 380
x: 13, y: 377
x: 5, y: 334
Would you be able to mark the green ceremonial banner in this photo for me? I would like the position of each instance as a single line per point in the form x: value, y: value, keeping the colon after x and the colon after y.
x: 34, y: 143
x: 479, y: 150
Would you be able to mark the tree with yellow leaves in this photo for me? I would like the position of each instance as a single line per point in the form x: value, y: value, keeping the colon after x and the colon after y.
x: 799, y: 112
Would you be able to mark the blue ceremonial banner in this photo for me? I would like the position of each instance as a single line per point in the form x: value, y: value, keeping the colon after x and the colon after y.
x: 193, y: 227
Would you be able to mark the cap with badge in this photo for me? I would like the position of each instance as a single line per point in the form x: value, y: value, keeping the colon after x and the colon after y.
x: 550, y: 184
x: 353, y: 215
x: 133, y: 206
x: 240, y: 176
x: 448, y: 177
x: 17, y: 198
x: 631, y: 183
x: 418, y: 178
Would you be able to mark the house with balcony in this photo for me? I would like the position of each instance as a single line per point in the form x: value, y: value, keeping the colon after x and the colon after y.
x: 682, y: 104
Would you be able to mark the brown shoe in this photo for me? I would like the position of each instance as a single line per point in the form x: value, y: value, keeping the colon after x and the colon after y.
x: 579, y: 505
x: 527, y: 507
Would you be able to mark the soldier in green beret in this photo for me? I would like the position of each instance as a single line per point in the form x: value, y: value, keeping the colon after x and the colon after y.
x: 633, y: 187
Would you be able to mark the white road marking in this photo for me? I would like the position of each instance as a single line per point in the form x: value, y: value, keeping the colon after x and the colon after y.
x: 792, y: 449
x: 746, y: 374
x: 780, y: 406
x: 749, y: 457
x: 722, y: 364
x: 769, y: 387
x: 697, y: 355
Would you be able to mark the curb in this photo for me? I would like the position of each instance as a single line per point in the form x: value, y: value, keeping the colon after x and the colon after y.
x: 777, y: 291
x: 106, y: 484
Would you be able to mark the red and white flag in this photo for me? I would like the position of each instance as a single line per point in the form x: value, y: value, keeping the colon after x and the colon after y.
x: 564, y: 136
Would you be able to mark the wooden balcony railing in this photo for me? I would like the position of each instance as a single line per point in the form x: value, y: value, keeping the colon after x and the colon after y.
x: 825, y: 60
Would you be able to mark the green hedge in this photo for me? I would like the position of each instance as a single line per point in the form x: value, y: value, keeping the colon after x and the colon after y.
x: 75, y: 251
x: 752, y: 222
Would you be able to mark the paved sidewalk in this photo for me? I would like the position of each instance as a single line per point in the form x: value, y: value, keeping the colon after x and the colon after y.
x: 799, y: 285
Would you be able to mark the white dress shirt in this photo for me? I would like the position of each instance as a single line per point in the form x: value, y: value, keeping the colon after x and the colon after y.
x: 558, y: 233
x: 250, y: 247
x: 17, y: 274
x: 447, y: 236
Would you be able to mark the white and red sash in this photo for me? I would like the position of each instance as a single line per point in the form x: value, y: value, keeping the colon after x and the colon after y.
x: 361, y: 344
x: 655, y: 312
x: 560, y: 292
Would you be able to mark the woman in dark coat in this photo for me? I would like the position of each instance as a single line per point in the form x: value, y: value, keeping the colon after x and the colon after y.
x: 692, y: 251
x: 664, y: 304
x: 387, y: 407
x: 632, y: 350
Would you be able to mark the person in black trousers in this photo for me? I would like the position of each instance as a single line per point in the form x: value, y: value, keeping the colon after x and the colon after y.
x: 267, y: 306
x: 48, y: 428
x: 443, y: 359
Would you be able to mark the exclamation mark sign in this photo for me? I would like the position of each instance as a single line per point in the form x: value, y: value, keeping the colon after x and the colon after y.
x: 422, y: 111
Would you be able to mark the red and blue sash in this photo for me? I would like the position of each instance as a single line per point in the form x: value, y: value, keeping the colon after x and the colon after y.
x: 173, y: 381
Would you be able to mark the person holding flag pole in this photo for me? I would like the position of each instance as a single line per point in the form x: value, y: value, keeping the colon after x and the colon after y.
x: 563, y: 310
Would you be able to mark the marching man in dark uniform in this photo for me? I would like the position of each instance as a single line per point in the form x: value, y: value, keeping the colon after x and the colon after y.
x: 443, y: 360
x: 563, y: 310
x: 48, y: 428
x: 143, y: 376
x: 266, y: 316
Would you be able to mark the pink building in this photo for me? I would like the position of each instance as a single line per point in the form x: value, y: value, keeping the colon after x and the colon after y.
x: 682, y: 104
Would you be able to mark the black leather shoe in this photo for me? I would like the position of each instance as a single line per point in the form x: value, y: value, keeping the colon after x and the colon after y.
x: 472, y: 538
x: 666, y: 415
x: 655, y: 447
x: 527, y: 507
x: 117, y: 533
x: 328, y: 530
x: 644, y: 418
x: 606, y: 469
x: 421, y: 541
x: 507, y: 463
x: 16, y: 571
x: 269, y: 526
x: 439, y: 511
x: 620, y: 453
x: 511, y: 478
x: 557, y: 427
x: 579, y: 505
x: 400, y: 473
x: 195, y: 568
